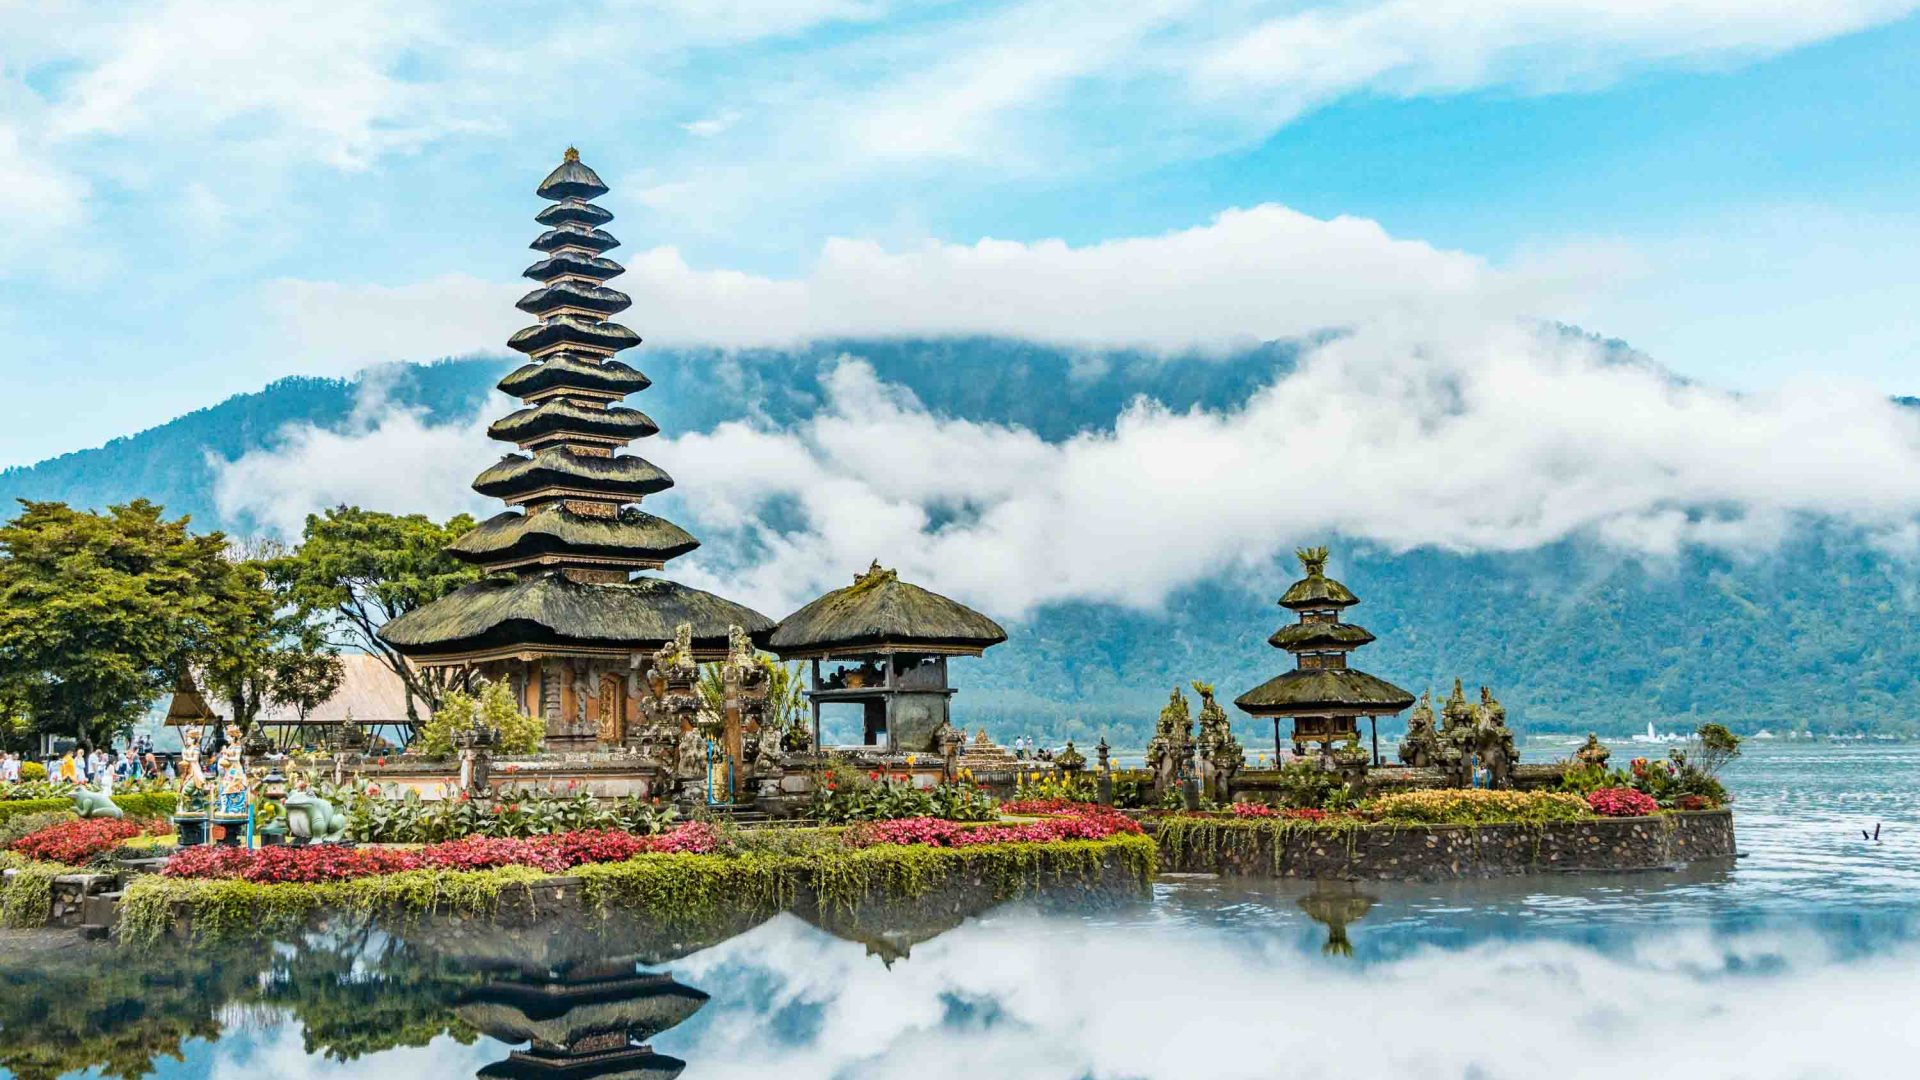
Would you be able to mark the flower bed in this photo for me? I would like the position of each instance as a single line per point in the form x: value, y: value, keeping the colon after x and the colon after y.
x: 683, y: 890
x: 1622, y: 802
x: 1475, y: 806
x: 76, y: 842
x: 327, y: 862
x: 1084, y: 822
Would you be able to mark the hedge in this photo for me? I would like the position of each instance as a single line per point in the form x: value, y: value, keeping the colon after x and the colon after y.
x: 676, y: 891
x: 158, y: 804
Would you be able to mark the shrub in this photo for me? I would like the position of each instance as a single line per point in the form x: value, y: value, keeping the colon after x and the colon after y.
x: 1622, y: 802
x: 76, y: 842
x: 13, y: 829
x: 514, y: 731
x: 1476, y: 806
x: 881, y: 798
x: 1094, y: 823
x: 32, y: 770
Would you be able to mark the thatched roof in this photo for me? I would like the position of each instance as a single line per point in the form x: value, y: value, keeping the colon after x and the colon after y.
x: 548, y: 609
x: 634, y: 1063
x: 574, y: 373
x: 878, y: 611
x: 571, y: 180
x: 512, y: 535
x: 1323, y: 692
x: 574, y: 294
x: 575, y: 210
x: 573, y: 330
x: 571, y: 262
x: 570, y: 235
x: 559, y: 416
x: 561, y: 1013
x: 1316, y: 590
x: 1320, y: 635
x: 189, y: 706
x: 622, y: 475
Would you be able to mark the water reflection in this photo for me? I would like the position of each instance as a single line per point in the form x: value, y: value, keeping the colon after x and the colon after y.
x: 1334, y: 905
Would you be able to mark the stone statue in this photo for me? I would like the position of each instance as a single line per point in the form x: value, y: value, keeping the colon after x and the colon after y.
x: 1221, y: 755
x: 233, y: 792
x: 1483, y: 741
x: 1421, y: 747
x: 96, y: 803
x: 312, y: 818
x: 1456, y: 714
x: 1170, y: 751
x: 690, y: 757
x: 1593, y: 753
x: 951, y: 741
x: 1070, y: 761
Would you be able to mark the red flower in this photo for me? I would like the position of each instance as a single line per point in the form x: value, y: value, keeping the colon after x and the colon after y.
x: 1622, y: 802
x: 76, y: 842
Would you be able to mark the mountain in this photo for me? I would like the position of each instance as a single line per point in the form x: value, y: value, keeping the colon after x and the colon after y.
x: 1571, y: 637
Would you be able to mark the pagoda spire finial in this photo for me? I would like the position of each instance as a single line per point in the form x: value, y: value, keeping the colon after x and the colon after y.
x: 571, y: 155
x: 1313, y: 559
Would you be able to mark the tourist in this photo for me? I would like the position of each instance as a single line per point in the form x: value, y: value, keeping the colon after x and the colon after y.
x: 10, y: 769
x: 68, y: 770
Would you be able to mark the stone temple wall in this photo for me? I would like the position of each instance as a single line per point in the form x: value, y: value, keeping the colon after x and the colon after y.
x: 1387, y: 853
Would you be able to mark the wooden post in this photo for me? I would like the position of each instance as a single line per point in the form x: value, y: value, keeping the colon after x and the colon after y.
x: 1276, y: 742
x: 814, y: 700
x: 1375, y: 722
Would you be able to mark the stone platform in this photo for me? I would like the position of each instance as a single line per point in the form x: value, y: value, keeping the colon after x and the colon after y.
x: 1437, y: 852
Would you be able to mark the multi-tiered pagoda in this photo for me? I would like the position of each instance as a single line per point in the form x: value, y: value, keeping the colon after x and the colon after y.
x: 567, y: 612
x: 1322, y: 694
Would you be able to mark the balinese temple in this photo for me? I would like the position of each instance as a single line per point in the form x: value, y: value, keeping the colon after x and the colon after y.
x: 570, y: 611
x: 885, y: 643
x: 1324, y: 696
x: 589, y: 1022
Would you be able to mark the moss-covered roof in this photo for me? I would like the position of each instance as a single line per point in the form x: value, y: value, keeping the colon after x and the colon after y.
x: 1320, y: 635
x: 569, y: 262
x: 548, y: 609
x: 622, y: 475
x: 1322, y: 691
x: 574, y: 236
x: 512, y: 536
x: 560, y: 417
x: 574, y: 294
x: 574, y: 373
x: 560, y: 1013
x: 578, y: 211
x: 571, y: 180
x: 878, y: 610
x: 1316, y: 590
x: 573, y: 330
x: 633, y: 1063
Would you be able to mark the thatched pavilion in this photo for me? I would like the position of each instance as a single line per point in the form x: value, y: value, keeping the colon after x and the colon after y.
x: 888, y: 641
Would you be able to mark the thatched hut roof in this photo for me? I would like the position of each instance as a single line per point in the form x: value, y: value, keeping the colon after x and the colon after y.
x: 565, y: 370
x: 622, y: 475
x: 1316, y: 590
x: 550, y: 610
x: 189, y: 706
x: 879, y: 611
x: 634, y: 534
x: 561, y: 1013
x: 557, y: 418
x: 1324, y: 692
x: 576, y: 210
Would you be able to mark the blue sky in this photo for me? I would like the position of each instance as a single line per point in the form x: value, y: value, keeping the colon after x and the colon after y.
x: 205, y: 196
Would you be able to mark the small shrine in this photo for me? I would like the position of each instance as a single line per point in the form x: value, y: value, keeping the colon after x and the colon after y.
x: 591, y: 1021
x: 1323, y: 695
x: 885, y: 643
x: 569, y: 615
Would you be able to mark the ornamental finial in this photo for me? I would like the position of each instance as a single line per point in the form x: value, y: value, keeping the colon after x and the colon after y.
x: 1314, y: 559
x: 572, y: 154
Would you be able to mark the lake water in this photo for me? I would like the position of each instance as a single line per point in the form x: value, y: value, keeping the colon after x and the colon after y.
x: 1800, y: 959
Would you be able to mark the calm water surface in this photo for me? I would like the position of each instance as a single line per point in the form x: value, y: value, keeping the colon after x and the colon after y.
x: 1800, y: 959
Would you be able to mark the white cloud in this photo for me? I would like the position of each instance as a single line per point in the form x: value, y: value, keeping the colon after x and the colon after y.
x: 1495, y: 439
x: 1262, y: 273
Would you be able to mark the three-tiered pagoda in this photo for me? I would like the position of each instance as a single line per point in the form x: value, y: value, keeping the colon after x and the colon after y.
x: 1322, y: 694
x: 567, y: 613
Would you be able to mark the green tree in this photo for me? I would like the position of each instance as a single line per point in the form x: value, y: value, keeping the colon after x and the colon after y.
x: 356, y: 569
x: 99, y: 613
x: 493, y: 707
x: 263, y: 652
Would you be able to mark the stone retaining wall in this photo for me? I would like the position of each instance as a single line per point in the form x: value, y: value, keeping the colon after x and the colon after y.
x: 1386, y: 852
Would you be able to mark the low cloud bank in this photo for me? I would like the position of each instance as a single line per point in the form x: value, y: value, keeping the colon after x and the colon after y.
x: 1488, y: 437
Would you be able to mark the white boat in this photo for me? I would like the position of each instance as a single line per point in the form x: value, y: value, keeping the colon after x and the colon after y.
x: 1763, y: 733
x: 1653, y: 736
